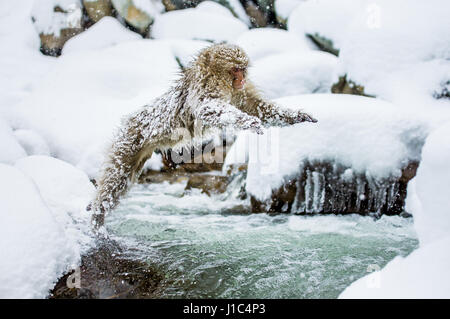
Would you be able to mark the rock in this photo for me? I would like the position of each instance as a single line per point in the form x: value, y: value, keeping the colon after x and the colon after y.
x: 209, y: 184
x: 330, y: 188
x: 257, y: 17
x: 107, y: 273
x: 208, y: 158
x: 443, y: 92
x: 56, y: 24
x: 345, y: 86
x: 97, y: 9
x: 323, y: 43
x: 137, y: 17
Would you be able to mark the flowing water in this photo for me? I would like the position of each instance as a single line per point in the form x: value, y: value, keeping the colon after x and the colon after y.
x: 209, y: 247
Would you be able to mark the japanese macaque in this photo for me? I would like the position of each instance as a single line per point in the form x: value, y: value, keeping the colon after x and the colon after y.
x: 213, y: 92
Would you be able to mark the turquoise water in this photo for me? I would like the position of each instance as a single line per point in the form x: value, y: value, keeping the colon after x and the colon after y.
x: 207, y: 248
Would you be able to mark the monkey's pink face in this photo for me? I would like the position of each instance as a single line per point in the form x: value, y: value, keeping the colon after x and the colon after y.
x: 238, y: 77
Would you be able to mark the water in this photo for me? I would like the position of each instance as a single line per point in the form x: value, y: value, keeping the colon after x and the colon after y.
x: 207, y: 249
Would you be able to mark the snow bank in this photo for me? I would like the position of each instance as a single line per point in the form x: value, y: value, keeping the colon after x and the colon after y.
x: 397, y: 54
x: 425, y: 272
x: 32, y: 142
x: 185, y: 50
x: 328, y: 18
x: 66, y: 191
x: 293, y: 73
x: 370, y: 136
x: 284, y: 8
x: 210, y: 26
x: 432, y: 185
x: 106, y: 32
x: 34, y: 251
x: 262, y: 42
x: 77, y: 114
x: 21, y: 64
x: 10, y: 149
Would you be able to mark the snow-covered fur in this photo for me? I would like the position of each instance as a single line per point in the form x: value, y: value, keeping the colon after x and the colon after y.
x: 202, y: 99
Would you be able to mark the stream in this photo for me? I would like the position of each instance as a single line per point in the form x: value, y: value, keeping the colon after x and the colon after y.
x: 210, y: 247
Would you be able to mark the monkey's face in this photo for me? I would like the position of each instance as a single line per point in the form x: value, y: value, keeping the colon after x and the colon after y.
x: 238, y: 75
x: 227, y: 63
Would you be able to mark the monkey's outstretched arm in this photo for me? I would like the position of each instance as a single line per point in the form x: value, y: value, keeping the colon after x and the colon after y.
x: 125, y: 159
x: 270, y: 113
x: 220, y: 114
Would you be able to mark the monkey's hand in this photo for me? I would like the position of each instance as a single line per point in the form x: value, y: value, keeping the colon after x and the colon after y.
x: 304, y: 117
x: 254, y: 125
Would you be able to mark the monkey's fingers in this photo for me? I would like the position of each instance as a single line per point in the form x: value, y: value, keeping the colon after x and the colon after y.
x: 305, y: 117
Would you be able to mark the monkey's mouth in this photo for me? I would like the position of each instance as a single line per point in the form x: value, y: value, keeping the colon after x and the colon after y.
x: 238, y: 83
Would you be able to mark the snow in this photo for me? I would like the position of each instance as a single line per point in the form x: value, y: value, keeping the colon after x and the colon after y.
x: 47, y: 21
x: 77, y: 114
x: 397, y: 54
x: 425, y: 272
x: 293, y: 73
x: 366, y: 134
x: 106, y: 32
x: 32, y: 142
x: 185, y: 50
x: 21, y: 65
x: 207, y: 26
x: 432, y: 184
x: 155, y: 163
x: 328, y: 18
x: 284, y: 8
x: 261, y: 42
x: 10, y: 149
x: 34, y: 250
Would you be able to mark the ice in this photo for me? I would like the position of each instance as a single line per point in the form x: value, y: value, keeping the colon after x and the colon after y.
x: 425, y: 272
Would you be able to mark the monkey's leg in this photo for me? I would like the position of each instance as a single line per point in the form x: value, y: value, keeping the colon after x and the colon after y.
x: 122, y: 170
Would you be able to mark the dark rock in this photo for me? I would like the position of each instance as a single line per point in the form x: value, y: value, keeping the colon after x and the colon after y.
x: 209, y: 184
x: 344, y: 86
x: 443, y: 92
x: 98, y: 9
x: 326, y: 188
x: 323, y: 43
x: 107, y: 273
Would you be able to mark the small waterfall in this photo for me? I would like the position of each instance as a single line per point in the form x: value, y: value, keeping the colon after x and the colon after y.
x: 325, y: 187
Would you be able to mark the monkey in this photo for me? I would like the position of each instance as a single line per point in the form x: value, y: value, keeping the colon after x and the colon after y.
x: 212, y: 92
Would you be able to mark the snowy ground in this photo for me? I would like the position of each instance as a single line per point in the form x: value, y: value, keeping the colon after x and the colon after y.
x: 57, y: 115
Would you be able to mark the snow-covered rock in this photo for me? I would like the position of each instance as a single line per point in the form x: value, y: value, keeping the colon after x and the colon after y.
x: 293, y: 73
x: 65, y: 189
x: 367, y: 136
x: 107, y: 32
x: 261, y: 42
x: 10, y: 149
x: 34, y: 250
x: 138, y: 13
x: 32, y: 142
x: 185, y: 50
x: 97, y: 9
x: 210, y: 26
x: 425, y: 272
x: 284, y: 8
x: 77, y: 114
